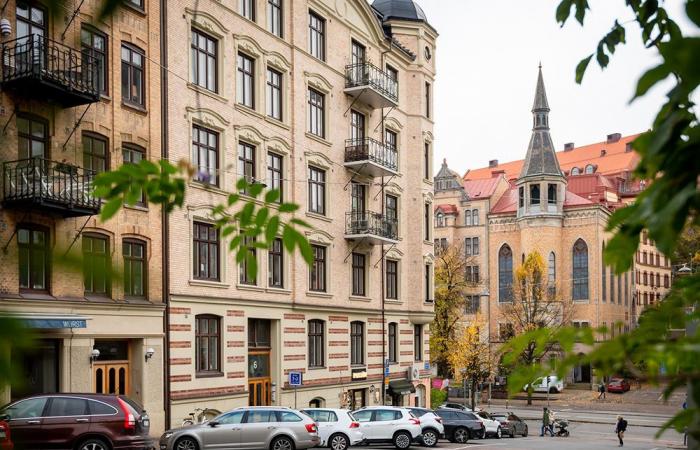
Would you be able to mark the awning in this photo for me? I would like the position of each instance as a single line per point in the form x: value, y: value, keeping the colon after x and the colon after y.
x: 51, y: 321
x: 401, y: 387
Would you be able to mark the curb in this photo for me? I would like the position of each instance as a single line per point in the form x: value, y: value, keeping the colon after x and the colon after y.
x: 599, y: 422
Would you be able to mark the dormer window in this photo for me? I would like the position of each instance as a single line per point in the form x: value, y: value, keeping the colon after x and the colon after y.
x: 575, y: 171
x: 535, y: 194
x: 440, y: 220
x: 590, y: 168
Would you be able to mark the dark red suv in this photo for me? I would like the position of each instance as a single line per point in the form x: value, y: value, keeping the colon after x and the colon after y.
x: 78, y: 422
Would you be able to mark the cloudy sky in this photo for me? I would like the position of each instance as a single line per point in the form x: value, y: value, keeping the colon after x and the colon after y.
x: 488, y: 52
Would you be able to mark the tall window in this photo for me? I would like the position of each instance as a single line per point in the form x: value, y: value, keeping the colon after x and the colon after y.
x: 94, y: 44
x: 274, y: 94
x: 426, y: 161
x: 552, y: 194
x: 358, y: 274
x: 317, y: 190
x: 248, y: 9
x: 472, y: 304
x: 274, y: 173
x: 134, y: 253
x: 475, y: 217
x: 316, y: 113
x: 393, y: 341
x: 132, y: 75
x: 245, y: 277
x: 440, y: 220
x: 207, y: 332
x: 205, y: 155
x: 275, y: 263
x: 471, y: 246
x: 96, y: 265
x: 317, y: 272
x: 666, y: 281
x: 316, y: 343
x: 357, y: 127
x: 246, y: 81
x: 32, y: 137
x: 603, y: 275
x: 94, y: 152
x: 391, y: 140
x: 133, y: 154
x: 33, y: 243
x: 418, y: 342
x: 392, y: 279
x: 552, y: 274
x: 391, y: 206
x: 505, y: 274
x: 580, y: 271
x: 534, y: 194
x: 467, y: 218
x: 426, y: 221
x: 246, y: 163
x: 205, y: 244
x: 427, y: 100
x: 472, y: 274
x: 274, y: 17
x: 317, y: 39
x: 627, y: 287
x: 427, y: 277
x: 357, y: 199
x: 203, y: 55
x: 357, y: 343
x: 619, y: 287
x: 612, y: 286
x: 521, y: 197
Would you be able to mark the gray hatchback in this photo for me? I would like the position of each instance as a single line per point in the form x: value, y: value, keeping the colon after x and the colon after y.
x: 251, y: 428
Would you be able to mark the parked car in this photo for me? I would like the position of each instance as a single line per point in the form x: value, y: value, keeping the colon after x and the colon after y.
x: 460, y: 426
x: 620, y: 385
x: 5, y: 438
x: 555, y: 385
x: 431, y: 426
x: 78, y: 422
x: 455, y: 406
x: 337, y: 429
x: 252, y: 428
x: 382, y: 424
x: 492, y: 427
x: 511, y: 424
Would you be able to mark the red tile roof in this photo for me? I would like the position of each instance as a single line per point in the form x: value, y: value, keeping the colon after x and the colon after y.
x: 615, y: 160
x: 508, y: 203
x: 447, y: 209
x: 479, y: 189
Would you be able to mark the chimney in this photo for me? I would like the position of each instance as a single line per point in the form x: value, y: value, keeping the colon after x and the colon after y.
x: 628, y: 147
x: 612, y: 138
x: 603, y: 152
x: 568, y: 146
x: 493, y: 163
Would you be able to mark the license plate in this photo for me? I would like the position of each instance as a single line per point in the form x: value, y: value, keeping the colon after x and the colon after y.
x: 146, y: 422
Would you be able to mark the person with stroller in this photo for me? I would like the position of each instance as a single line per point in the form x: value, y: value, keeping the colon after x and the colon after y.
x: 546, y: 426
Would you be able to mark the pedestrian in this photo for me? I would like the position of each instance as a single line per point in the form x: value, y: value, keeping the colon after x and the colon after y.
x: 620, y: 429
x: 545, y: 422
x: 551, y: 422
x: 601, y: 389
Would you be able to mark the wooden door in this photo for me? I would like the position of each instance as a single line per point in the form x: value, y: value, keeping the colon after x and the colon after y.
x: 111, y: 378
x: 259, y: 392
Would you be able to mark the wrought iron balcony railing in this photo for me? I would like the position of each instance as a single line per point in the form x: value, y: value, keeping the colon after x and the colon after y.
x: 368, y: 150
x: 367, y: 75
x: 44, y: 68
x: 50, y: 185
x: 370, y: 224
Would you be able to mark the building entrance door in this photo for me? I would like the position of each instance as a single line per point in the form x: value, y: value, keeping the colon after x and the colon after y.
x: 259, y: 349
x: 111, y: 378
x: 259, y: 392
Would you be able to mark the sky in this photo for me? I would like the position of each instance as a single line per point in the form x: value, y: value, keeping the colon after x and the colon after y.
x: 487, y: 56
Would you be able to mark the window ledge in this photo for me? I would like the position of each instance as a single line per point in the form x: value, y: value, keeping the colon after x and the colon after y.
x: 207, y: 92
x: 317, y: 368
x: 393, y: 301
x: 250, y: 287
x: 319, y: 294
x: 359, y: 298
x: 205, y: 283
x: 136, y: 207
x: 208, y: 374
x: 585, y: 301
x: 318, y: 216
x: 319, y: 139
x: 248, y: 110
x: 207, y: 187
x: 279, y: 123
x: 275, y: 290
x: 138, y: 109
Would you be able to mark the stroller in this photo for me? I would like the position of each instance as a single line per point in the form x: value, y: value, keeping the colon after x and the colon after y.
x: 561, y: 426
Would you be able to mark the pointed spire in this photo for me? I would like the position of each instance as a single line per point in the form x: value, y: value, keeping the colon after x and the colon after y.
x: 540, y: 103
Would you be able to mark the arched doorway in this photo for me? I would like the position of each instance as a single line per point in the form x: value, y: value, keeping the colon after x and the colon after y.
x: 419, y: 400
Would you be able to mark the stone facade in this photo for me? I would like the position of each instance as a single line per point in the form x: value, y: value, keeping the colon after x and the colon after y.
x: 57, y: 125
x: 263, y: 328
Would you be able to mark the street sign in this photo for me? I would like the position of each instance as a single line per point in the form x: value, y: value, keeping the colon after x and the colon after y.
x: 386, y: 371
x: 295, y: 378
x: 426, y: 366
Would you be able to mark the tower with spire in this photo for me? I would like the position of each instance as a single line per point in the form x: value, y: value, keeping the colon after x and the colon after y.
x: 541, y: 184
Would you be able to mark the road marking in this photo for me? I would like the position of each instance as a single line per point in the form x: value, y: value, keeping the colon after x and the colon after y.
x: 479, y: 446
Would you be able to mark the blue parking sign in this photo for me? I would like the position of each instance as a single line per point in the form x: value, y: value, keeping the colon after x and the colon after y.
x: 295, y: 378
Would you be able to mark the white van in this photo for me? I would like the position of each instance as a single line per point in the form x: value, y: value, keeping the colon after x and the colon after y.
x: 555, y: 385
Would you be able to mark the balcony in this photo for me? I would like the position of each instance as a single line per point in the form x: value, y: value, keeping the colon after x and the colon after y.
x: 370, y: 157
x: 375, y: 86
x: 43, y: 69
x: 50, y: 186
x: 373, y: 227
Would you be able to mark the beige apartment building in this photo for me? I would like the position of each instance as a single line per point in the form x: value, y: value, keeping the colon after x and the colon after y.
x: 331, y: 102
x: 81, y: 96
x: 558, y: 204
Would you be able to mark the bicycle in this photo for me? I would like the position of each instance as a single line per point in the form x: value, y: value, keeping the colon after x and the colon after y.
x: 200, y: 415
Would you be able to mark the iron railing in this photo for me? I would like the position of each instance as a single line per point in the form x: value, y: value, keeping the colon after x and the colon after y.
x: 50, y: 182
x: 36, y: 56
x: 368, y: 149
x: 367, y: 74
x: 368, y: 222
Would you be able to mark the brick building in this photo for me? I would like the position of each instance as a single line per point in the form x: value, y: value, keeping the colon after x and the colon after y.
x: 330, y: 101
x: 81, y: 96
x: 558, y: 204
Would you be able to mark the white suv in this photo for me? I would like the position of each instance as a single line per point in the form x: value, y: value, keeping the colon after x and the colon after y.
x: 382, y: 424
x: 430, y: 424
x: 337, y: 429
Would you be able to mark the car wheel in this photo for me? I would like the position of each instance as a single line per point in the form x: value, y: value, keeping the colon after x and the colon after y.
x: 553, y: 390
x: 338, y: 442
x: 461, y: 435
x: 186, y: 443
x: 93, y: 444
x: 402, y: 440
x: 282, y: 443
x: 430, y: 438
x: 525, y: 432
x: 499, y: 433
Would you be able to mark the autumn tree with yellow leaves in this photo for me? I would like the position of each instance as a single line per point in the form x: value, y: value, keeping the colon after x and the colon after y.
x: 470, y: 358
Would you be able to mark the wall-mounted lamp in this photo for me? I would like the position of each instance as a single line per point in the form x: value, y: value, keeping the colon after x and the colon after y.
x: 94, y: 355
x: 5, y: 27
x: 149, y: 353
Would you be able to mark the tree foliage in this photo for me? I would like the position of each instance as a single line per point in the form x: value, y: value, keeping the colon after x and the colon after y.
x: 470, y: 358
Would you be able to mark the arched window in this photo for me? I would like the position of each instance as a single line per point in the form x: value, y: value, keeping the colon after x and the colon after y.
x: 604, y: 293
x: 505, y: 274
x: 317, y: 402
x: 590, y: 168
x: 575, y: 171
x: 440, y: 220
x: 666, y: 281
x: 467, y: 218
x: 475, y: 217
x: 552, y: 274
x: 580, y: 271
